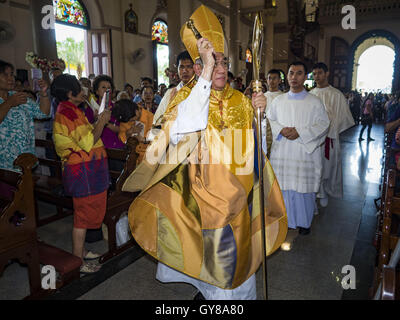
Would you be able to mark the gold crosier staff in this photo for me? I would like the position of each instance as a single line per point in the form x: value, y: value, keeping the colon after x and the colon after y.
x: 258, y: 33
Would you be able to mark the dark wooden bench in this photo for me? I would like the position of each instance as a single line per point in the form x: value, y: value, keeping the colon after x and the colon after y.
x: 118, y: 202
x: 390, y: 283
x: 49, y: 189
x: 18, y: 239
x: 388, y: 233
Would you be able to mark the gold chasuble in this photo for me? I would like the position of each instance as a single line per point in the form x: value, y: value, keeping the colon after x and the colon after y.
x: 199, y: 214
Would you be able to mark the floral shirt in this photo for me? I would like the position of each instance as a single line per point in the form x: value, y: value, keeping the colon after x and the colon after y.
x: 17, y: 132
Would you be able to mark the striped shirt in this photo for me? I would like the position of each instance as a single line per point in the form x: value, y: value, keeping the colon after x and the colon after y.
x: 85, y: 166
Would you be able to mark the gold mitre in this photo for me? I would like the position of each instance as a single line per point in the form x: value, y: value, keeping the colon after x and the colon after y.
x: 209, y: 27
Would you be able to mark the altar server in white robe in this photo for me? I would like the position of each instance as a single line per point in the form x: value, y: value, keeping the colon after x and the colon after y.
x: 273, y: 82
x: 299, y: 124
x: 341, y: 119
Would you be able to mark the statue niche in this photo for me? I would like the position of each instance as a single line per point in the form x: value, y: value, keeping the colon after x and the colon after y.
x: 131, y: 21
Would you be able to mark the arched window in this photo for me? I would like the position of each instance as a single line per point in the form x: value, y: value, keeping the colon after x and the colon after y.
x: 71, y: 12
x: 160, y: 32
x: 159, y: 35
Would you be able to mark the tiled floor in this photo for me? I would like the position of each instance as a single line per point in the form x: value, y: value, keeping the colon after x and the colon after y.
x: 341, y: 235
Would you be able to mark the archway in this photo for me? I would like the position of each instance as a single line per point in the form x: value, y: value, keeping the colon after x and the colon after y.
x: 72, y: 23
x: 375, y: 69
x: 366, y: 41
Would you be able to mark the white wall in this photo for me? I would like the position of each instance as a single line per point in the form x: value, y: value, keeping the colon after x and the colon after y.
x: 19, y: 16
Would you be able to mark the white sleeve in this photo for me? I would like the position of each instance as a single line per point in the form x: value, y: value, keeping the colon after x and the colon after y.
x: 192, y: 112
x: 276, y: 127
x: 312, y: 136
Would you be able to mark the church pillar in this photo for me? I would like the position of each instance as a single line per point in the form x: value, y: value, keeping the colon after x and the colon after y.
x: 44, y: 39
x: 268, y: 51
x: 233, y: 41
x: 174, y: 27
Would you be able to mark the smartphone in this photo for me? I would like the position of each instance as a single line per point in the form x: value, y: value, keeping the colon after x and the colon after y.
x: 37, y: 74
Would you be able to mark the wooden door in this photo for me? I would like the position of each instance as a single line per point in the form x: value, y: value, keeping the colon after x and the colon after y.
x: 99, y: 52
x: 339, y: 64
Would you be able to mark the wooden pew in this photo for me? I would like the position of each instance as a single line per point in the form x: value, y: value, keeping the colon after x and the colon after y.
x: 19, y: 241
x: 390, y: 284
x: 118, y: 202
x: 49, y: 189
x: 18, y: 237
x: 388, y: 234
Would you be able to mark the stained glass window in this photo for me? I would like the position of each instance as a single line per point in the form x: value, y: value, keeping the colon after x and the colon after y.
x: 160, y: 32
x: 70, y: 12
x: 249, y: 56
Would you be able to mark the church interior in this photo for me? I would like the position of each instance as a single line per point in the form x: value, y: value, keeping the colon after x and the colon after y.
x: 352, y: 252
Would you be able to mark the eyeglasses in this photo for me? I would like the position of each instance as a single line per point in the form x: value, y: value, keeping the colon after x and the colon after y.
x: 224, y: 63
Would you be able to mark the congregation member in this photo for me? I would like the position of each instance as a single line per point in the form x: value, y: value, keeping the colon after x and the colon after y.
x: 186, y: 73
x: 144, y: 82
x: 134, y: 121
x: 367, y: 117
x: 341, y: 119
x: 123, y: 95
x: 299, y: 124
x: 129, y: 89
x: 85, y: 168
x: 17, y: 115
x: 202, y: 205
x: 110, y: 133
x: 147, y: 102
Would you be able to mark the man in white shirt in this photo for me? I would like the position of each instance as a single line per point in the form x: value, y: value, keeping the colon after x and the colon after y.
x: 186, y: 71
x: 299, y: 126
x: 341, y: 119
x: 273, y: 82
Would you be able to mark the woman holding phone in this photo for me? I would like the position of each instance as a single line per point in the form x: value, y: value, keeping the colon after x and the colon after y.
x: 101, y: 85
x: 85, y: 165
x: 17, y: 115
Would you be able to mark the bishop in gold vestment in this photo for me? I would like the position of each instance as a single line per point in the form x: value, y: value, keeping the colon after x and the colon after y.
x: 198, y: 211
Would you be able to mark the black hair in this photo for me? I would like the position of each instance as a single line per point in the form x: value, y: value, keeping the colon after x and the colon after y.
x: 146, y: 79
x: 101, y: 78
x: 124, y: 110
x: 230, y: 75
x: 144, y: 88
x: 184, y: 55
x: 299, y: 63
x: 4, y: 65
x: 127, y: 85
x: 274, y: 71
x: 64, y: 84
x: 320, y: 65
